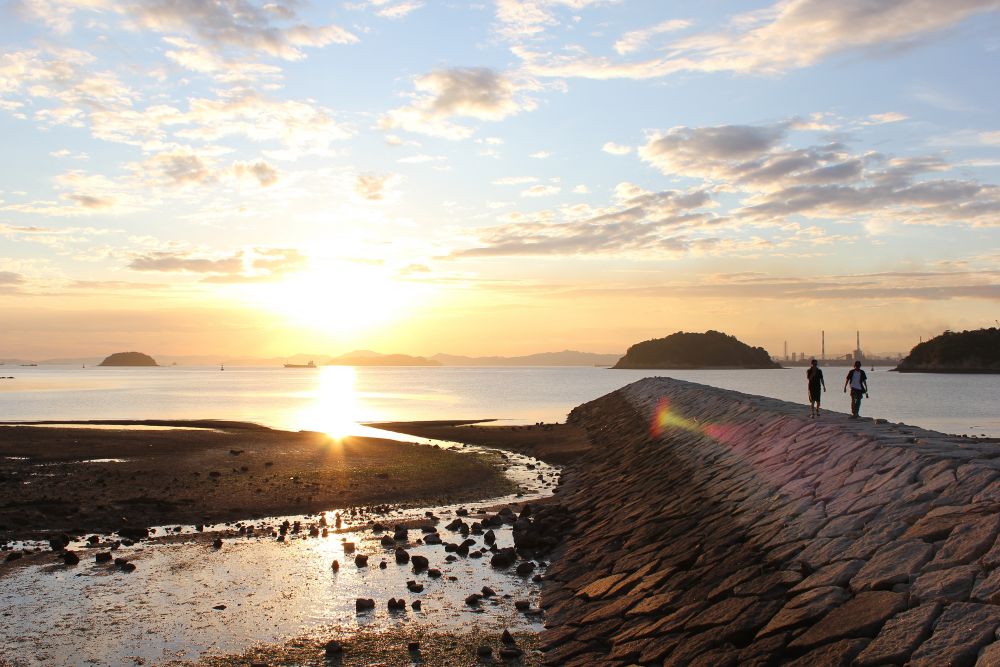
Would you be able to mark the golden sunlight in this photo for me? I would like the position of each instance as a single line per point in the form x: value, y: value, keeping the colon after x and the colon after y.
x: 339, y: 297
x: 335, y: 404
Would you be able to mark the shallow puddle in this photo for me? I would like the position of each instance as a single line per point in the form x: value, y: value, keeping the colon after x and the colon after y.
x: 187, y: 598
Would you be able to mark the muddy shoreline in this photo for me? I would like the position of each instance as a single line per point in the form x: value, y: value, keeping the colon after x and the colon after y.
x: 366, y: 471
x: 552, y: 443
x: 77, y: 480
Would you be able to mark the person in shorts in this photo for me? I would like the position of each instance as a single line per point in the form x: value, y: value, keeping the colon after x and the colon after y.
x: 814, y: 379
x: 858, y: 381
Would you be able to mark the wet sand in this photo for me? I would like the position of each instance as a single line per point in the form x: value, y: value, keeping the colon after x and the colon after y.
x: 361, y: 649
x: 70, y: 480
x: 553, y: 443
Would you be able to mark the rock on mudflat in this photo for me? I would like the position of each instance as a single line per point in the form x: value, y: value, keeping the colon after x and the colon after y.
x: 364, y: 604
x: 361, y: 560
x: 504, y: 558
x: 420, y: 563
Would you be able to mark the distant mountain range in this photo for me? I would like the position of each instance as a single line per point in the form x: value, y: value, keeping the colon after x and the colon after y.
x: 564, y: 358
x: 360, y: 358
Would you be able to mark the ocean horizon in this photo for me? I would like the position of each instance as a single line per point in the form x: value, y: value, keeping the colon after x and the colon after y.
x: 333, y: 398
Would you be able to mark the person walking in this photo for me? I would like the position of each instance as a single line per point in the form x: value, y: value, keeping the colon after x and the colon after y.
x: 858, y: 381
x: 814, y: 379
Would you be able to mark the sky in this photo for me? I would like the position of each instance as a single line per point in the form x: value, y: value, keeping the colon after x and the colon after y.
x: 495, y: 178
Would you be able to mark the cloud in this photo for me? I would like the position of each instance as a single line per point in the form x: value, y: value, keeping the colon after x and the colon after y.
x: 90, y: 201
x: 169, y: 262
x: 8, y: 278
x: 468, y: 92
x: 115, y: 285
x: 521, y: 19
x: 616, y: 149
x: 253, y: 265
x: 514, y: 180
x: 78, y: 96
x: 710, y: 151
x: 824, y: 181
x: 206, y: 60
x: 883, y: 118
x: 391, y: 9
x: 260, y: 170
x: 374, y: 187
x: 635, y: 40
x: 651, y: 224
x: 541, y: 191
x: 789, y: 34
x: 83, y: 194
x: 421, y: 159
x: 273, y: 29
x: 179, y: 168
x: 540, y: 155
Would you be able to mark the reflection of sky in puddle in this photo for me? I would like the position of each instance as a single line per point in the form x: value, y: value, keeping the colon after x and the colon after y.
x: 272, y: 590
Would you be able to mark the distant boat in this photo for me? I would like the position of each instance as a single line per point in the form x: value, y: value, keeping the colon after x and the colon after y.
x: 222, y: 367
x: 309, y: 365
x: 29, y: 364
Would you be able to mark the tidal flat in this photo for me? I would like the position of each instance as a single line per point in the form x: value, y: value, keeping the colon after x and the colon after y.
x: 227, y: 578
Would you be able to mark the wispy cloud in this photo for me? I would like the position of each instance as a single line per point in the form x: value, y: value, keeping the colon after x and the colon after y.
x: 635, y: 40
x: 273, y: 29
x: 790, y: 34
x: 254, y: 265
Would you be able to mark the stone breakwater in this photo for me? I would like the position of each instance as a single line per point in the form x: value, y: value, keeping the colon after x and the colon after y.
x: 717, y: 528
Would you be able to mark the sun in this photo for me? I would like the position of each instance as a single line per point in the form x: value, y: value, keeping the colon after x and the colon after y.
x: 340, y: 297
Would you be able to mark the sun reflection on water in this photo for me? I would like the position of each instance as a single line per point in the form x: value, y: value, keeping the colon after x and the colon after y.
x: 335, y: 404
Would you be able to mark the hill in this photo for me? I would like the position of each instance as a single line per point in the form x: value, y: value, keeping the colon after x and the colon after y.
x: 682, y: 350
x: 976, y: 351
x: 564, y: 358
x: 129, y: 359
x: 369, y: 358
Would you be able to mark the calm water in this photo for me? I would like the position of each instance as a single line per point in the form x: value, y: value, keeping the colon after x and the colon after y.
x: 334, y: 398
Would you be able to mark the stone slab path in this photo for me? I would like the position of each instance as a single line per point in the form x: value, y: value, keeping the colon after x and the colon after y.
x: 717, y: 528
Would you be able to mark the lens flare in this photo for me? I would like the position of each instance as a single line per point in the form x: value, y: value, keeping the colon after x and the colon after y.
x: 665, y: 418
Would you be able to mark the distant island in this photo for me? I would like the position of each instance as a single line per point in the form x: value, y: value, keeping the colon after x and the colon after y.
x: 682, y: 350
x: 369, y: 358
x: 129, y: 359
x: 975, y: 351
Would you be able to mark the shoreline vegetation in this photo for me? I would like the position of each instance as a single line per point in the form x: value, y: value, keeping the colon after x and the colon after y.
x: 70, y: 479
x: 691, y: 351
x: 976, y: 351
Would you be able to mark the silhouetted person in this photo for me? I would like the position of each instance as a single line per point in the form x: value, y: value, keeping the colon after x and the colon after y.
x: 814, y: 377
x: 858, y: 381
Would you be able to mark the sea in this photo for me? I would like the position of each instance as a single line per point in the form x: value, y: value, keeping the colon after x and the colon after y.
x: 336, y: 399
